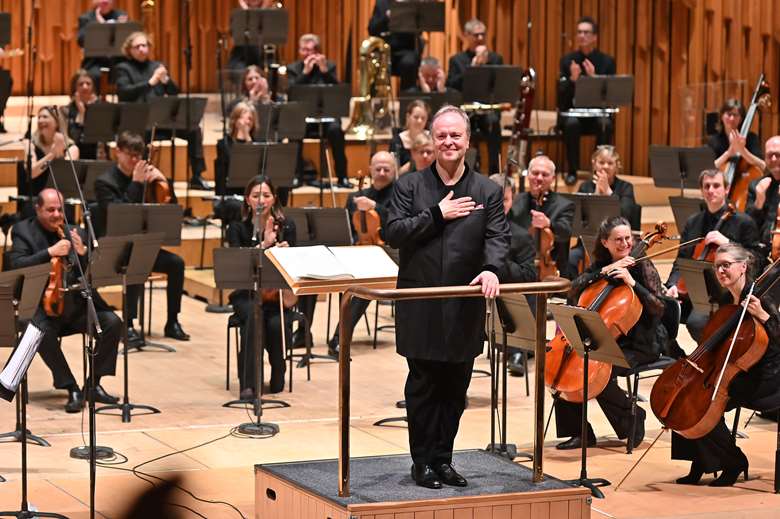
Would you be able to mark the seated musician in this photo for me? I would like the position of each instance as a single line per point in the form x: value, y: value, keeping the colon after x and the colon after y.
x: 263, y: 226
x: 241, y: 127
x: 606, y: 164
x: 375, y: 197
x: 764, y: 194
x: 404, y: 50
x: 519, y: 266
x: 717, y: 450
x: 417, y: 115
x: 644, y: 343
x: 242, y: 56
x: 125, y: 183
x: 586, y: 60
x: 486, y: 124
x: 313, y: 68
x: 83, y: 93
x: 430, y: 78
x: 140, y: 80
x: 728, y: 144
x: 254, y: 88
x: 102, y: 12
x: 49, y: 142
x: 739, y: 228
x: 37, y: 240
x: 423, y: 153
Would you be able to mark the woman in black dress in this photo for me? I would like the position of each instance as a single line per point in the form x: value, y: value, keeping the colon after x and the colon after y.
x: 49, y: 143
x: 717, y: 450
x: 417, y: 114
x: 727, y: 143
x: 263, y: 226
x: 83, y: 93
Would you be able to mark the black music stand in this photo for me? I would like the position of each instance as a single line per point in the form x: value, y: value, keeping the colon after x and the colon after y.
x: 105, y: 40
x: 434, y: 99
x: 588, y: 335
x: 277, y: 161
x: 491, y: 84
x: 677, y: 167
x: 416, y: 17
x: 282, y: 121
x: 86, y: 173
x: 125, y: 260
x: 704, y: 290
x: 259, y: 26
x: 20, y: 286
x: 323, y: 104
x: 590, y: 210
x: 5, y: 29
x: 603, y: 91
x: 241, y: 268
x: 683, y: 208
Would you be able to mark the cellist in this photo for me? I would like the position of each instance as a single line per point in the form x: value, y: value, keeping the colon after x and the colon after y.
x: 717, y: 450
x: 764, y: 194
x: 739, y: 228
x: 644, y: 342
x: 727, y: 142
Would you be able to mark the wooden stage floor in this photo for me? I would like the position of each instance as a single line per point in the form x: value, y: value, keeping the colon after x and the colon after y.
x: 189, y: 387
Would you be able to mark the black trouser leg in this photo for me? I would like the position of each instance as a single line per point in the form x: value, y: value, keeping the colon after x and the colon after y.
x: 51, y: 352
x: 243, y: 307
x: 171, y: 265
x: 357, y: 307
x: 572, y: 131
x: 716, y: 450
x: 405, y: 65
x: 194, y: 139
x: 613, y: 401
x: 273, y: 345
x: 338, y: 146
x: 108, y: 343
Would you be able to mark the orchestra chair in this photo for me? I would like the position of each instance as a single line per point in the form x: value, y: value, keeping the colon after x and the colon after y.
x: 768, y: 404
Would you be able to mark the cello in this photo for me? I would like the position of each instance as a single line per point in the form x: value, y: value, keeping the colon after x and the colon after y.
x: 739, y: 173
x: 691, y: 395
x: 545, y: 243
x: 367, y: 224
x: 620, y: 309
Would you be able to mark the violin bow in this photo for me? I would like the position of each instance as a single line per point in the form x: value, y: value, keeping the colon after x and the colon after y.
x: 733, y: 340
x: 635, y: 465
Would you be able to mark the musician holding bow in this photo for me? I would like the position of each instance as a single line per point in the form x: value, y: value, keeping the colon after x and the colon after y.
x: 764, y: 194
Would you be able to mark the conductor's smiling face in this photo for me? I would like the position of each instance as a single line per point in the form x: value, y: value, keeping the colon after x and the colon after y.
x: 450, y: 137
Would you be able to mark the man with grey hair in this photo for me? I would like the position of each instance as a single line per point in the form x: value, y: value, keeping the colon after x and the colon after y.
x: 430, y: 78
x: 449, y: 225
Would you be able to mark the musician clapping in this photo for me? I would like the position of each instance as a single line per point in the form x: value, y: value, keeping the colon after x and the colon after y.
x: 764, y: 194
x: 49, y: 143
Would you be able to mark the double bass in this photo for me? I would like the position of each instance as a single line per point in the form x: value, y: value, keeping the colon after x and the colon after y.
x: 739, y: 173
x: 691, y: 395
x: 620, y: 309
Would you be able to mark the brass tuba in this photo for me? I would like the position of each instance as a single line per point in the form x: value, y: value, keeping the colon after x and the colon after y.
x: 371, y: 110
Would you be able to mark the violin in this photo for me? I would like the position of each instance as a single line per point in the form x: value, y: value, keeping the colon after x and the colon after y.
x: 271, y: 295
x: 775, y: 254
x: 54, y: 295
x: 157, y: 191
x: 738, y: 172
x: 619, y: 308
x: 367, y: 224
x: 705, y: 252
x: 545, y: 243
x: 690, y: 396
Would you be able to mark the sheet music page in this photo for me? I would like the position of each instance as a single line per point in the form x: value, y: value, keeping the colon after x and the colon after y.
x: 366, y: 261
x: 22, y: 356
x: 315, y: 262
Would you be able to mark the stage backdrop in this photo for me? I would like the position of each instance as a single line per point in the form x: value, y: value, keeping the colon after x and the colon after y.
x: 685, y: 55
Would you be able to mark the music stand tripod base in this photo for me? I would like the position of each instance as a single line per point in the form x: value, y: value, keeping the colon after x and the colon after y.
x: 16, y: 436
x: 149, y: 344
x: 592, y: 484
x: 275, y: 404
x: 127, y: 410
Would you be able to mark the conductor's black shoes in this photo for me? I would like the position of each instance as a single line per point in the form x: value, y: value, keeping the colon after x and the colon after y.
x: 425, y: 476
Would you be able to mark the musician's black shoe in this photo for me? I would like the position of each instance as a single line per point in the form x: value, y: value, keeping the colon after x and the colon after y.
x: 575, y: 442
x: 2, y: 127
x: 174, y: 331
x: 448, y: 475
x: 570, y: 179
x: 102, y: 396
x: 345, y: 183
x: 247, y: 394
x: 299, y: 338
x: 515, y: 364
x: 425, y: 476
x: 728, y: 477
x: 133, y: 338
x: 75, y: 400
x: 199, y: 183
x: 693, y: 476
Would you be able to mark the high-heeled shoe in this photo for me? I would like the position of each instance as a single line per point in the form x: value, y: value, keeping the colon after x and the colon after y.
x: 693, y: 476
x: 728, y: 477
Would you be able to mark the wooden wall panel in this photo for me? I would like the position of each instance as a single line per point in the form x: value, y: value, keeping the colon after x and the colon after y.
x: 672, y: 47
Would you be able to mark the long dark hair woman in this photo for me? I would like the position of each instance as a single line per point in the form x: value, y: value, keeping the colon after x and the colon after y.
x: 727, y: 142
x: 643, y: 343
x: 263, y: 226
x: 83, y: 93
x: 717, y: 450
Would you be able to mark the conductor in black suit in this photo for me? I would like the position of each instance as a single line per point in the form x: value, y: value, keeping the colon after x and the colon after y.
x: 449, y: 226
x: 124, y: 184
x: 102, y: 12
x: 315, y: 69
x: 36, y: 240
x: 140, y: 80
x: 587, y: 60
x: 486, y: 124
x: 405, y: 52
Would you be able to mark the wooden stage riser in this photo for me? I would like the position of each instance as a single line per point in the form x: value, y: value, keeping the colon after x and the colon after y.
x: 278, y: 499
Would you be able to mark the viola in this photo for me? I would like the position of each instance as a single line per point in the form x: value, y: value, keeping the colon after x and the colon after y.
x: 54, y: 295
x: 271, y: 295
x: 545, y: 243
x: 738, y: 172
x: 775, y: 254
x: 690, y: 396
x: 367, y: 224
x: 706, y: 252
x: 157, y: 191
x: 619, y: 308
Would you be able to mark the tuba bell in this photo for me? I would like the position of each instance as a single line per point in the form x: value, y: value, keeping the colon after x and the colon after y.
x: 371, y: 111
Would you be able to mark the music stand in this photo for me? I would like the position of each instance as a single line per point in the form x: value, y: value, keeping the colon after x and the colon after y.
x: 125, y: 260
x: 21, y: 286
x: 603, y: 91
x: 416, y: 17
x: 704, y: 290
x: 277, y: 161
x: 491, y: 84
x: 5, y: 29
x: 133, y: 117
x: 105, y: 40
x: 283, y: 121
x: 241, y: 268
x: 587, y: 334
x: 683, y: 208
x: 434, y: 99
x: 259, y: 26
x: 676, y: 167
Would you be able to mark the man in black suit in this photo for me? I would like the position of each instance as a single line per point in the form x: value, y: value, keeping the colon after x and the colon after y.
x: 405, y: 52
x: 430, y: 78
x: 124, y: 184
x: 140, y: 80
x: 102, y: 12
x: 449, y: 226
x: 764, y: 194
x: 36, y: 240
x: 586, y: 60
x: 487, y: 124
x: 313, y: 68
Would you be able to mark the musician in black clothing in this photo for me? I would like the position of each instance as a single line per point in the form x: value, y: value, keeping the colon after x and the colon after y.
x: 738, y: 228
x: 417, y: 114
x: 430, y: 78
x: 728, y: 144
x: 241, y: 127
x: 125, y: 184
x: 263, y: 226
x: 375, y: 197
x: 313, y: 68
x: 764, y: 194
x: 103, y: 12
x: 643, y: 343
x: 586, y: 60
x: 254, y: 89
x: 717, y: 450
x: 139, y: 80
x: 404, y: 50
x: 485, y: 124
x: 242, y: 56
x: 36, y: 240
x: 83, y: 93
